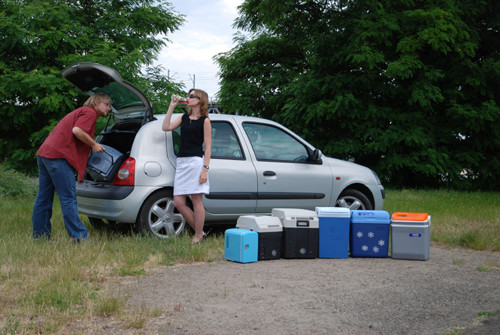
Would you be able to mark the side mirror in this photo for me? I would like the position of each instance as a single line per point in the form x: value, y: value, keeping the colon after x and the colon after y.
x: 315, y: 156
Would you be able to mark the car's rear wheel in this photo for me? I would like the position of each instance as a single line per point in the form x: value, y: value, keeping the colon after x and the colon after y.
x: 354, y: 200
x: 159, y: 217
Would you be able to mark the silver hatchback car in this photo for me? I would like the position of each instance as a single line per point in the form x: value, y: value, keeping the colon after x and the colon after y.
x: 256, y: 165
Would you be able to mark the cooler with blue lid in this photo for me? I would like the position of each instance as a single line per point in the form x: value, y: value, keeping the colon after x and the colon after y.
x: 269, y: 230
x: 410, y: 236
x: 300, y: 232
x: 370, y: 233
x: 241, y: 245
x: 334, y: 224
x: 102, y: 166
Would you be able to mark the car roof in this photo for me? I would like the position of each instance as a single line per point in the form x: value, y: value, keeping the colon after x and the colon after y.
x: 127, y: 101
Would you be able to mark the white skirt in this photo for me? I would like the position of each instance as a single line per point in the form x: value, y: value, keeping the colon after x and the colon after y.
x: 187, y: 177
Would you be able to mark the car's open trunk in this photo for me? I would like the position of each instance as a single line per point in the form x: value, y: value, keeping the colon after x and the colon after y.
x: 119, y: 137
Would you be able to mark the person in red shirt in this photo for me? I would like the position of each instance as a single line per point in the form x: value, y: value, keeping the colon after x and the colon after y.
x: 63, y: 153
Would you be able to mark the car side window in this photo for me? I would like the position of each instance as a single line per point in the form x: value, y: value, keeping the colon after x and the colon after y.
x: 273, y: 144
x: 225, y: 144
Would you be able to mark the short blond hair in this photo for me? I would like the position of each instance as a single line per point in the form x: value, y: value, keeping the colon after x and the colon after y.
x: 203, y: 96
x: 96, y: 98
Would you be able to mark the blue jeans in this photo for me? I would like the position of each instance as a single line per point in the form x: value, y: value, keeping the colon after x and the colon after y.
x: 58, y: 175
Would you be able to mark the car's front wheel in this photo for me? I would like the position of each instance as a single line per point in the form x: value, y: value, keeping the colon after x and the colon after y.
x: 159, y: 217
x: 354, y: 200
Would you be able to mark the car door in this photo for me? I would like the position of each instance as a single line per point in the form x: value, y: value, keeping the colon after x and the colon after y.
x: 233, y: 181
x: 286, y: 176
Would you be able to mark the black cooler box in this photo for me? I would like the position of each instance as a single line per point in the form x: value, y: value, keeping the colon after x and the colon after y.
x: 300, y: 232
x: 102, y: 166
x: 269, y: 229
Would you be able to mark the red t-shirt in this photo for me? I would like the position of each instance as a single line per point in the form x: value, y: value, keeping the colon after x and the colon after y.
x: 61, y: 143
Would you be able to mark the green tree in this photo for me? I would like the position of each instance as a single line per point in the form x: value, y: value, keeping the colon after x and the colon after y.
x: 39, y: 38
x: 408, y: 88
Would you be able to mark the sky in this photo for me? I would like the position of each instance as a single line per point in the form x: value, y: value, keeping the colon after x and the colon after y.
x: 207, y: 31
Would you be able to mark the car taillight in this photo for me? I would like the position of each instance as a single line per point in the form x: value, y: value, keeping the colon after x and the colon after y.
x: 126, y: 173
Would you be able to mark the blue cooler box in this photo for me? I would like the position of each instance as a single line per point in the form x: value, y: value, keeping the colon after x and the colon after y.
x: 334, y: 223
x: 269, y: 229
x: 240, y: 245
x: 102, y: 166
x: 300, y: 232
x: 370, y: 233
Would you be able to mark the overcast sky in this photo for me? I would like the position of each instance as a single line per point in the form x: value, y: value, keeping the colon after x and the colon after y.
x: 206, y: 32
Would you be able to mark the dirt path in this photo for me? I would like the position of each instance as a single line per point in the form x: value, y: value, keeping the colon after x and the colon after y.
x: 318, y: 296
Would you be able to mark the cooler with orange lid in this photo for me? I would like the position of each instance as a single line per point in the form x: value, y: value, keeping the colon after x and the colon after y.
x: 410, y: 235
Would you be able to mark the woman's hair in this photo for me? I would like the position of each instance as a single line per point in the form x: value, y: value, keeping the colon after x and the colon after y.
x: 96, y: 98
x: 203, y: 96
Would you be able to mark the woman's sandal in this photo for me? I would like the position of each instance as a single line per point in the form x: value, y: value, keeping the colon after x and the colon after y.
x: 204, y: 237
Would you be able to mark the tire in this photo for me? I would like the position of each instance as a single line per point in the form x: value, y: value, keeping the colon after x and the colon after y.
x: 159, y: 217
x: 354, y: 200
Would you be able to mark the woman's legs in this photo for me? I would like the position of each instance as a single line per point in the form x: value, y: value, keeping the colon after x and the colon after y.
x: 195, y: 218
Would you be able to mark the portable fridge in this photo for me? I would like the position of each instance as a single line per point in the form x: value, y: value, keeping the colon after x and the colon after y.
x: 102, y: 166
x: 410, y: 236
x: 269, y: 230
x: 370, y: 233
x: 240, y: 245
x: 300, y: 232
x: 334, y: 224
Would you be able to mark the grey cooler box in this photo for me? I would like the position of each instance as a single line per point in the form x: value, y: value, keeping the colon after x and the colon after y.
x: 102, y: 166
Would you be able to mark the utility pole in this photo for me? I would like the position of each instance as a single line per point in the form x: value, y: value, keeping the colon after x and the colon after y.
x: 193, y: 79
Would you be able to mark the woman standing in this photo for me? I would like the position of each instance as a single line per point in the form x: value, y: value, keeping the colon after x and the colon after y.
x: 191, y: 176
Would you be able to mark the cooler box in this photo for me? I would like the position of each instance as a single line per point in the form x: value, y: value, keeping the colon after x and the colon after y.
x: 240, y: 245
x: 410, y: 235
x: 370, y: 233
x: 300, y: 232
x: 269, y: 230
x: 102, y: 166
x: 334, y: 223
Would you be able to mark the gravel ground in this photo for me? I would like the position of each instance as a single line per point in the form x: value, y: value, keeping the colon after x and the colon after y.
x: 442, y: 295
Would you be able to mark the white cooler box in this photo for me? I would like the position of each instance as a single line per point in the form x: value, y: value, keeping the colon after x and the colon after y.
x: 300, y: 232
x: 269, y: 229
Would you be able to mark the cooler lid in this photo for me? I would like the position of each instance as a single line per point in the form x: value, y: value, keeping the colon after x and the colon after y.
x: 370, y: 216
x: 296, y: 218
x: 259, y: 224
x: 333, y: 212
x: 293, y: 212
x: 406, y: 216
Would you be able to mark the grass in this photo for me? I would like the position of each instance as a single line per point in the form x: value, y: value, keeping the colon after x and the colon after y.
x: 46, y: 285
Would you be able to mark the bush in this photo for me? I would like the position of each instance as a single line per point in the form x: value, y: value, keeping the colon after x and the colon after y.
x: 14, y: 184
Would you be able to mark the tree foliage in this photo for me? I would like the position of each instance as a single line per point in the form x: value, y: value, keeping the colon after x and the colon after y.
x: 38, y: 38
x: 408, y: 88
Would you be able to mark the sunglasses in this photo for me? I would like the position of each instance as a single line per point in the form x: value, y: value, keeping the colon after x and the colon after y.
x: 192, y: 96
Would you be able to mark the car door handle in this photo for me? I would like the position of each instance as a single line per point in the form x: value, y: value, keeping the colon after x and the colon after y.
x: 269, y: 173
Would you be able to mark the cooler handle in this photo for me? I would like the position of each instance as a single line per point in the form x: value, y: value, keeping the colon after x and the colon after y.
x: 302, y: 223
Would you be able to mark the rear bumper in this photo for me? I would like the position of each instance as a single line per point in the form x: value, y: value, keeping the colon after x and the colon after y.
x: 116, y: 203
x: 95, y: 190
